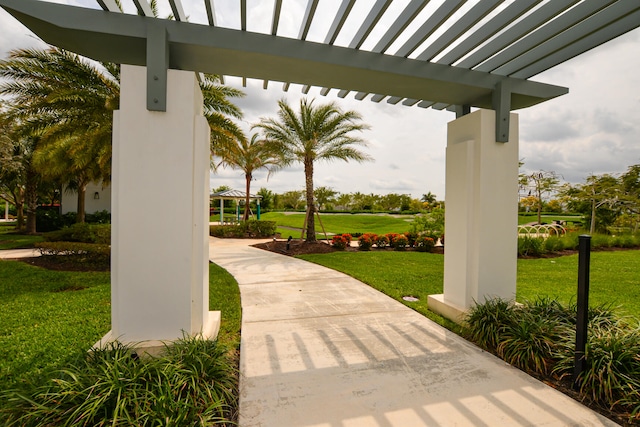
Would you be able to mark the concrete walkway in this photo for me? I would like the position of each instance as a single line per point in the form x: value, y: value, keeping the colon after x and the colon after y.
x: 321, y: 349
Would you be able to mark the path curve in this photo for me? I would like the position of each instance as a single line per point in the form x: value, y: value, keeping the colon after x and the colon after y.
x: 321, y: 349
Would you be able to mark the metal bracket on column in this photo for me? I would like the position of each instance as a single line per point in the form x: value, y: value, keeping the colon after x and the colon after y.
x: 502, y: 106
x: 462, y: 110
x: 157, y: 66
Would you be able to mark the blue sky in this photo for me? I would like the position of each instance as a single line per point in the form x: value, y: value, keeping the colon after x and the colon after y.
x: 593, y: 129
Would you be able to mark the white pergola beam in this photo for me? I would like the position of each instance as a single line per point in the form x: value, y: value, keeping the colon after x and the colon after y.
x: 579, y: 31
x: 178, y: 10
x: 109, y: 5
x: 489, y: 29
x: 458, y: 28
x: 544, y: 33
x: 143, y: 7
x: 530, y: 22
x: 434, y: 22
x: 399, y: 25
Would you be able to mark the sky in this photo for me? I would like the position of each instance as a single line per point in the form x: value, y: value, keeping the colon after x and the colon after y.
x: 594, y: 129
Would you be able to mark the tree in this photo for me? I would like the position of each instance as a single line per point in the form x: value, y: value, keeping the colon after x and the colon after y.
x: 597, y: 198
x: 248, y: 156
x: 268, y: 198
x: 540, y: 183
x: 67, y: 103
x: 314, y: 134
x: 324, y: 195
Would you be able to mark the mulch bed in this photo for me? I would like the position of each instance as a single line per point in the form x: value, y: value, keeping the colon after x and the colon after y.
x: 297, y: 247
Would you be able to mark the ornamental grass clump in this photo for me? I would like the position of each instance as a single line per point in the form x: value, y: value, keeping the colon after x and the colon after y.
x: 539, y: 337
x: 193, y: 383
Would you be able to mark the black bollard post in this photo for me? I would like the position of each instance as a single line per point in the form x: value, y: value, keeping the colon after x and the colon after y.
x: 579, y: 360
x: 289, y: 242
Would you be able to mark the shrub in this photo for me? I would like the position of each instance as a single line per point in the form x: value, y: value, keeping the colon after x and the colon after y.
x: 90, y: 250
x: 251, y: 228
x: 382, y: 241
x: 528, y: 341
x: 400, y: 242
x: 193, y: 383
x: 553, y: 244
x: 366, y: 241
x: 348, y: 237
x: 530, y: 246
x: 486, y: 321
x: 83, y: 233
x: 339, y: 242
x: 257, y: 228
x: 411, y: 237
x: 425, y: 244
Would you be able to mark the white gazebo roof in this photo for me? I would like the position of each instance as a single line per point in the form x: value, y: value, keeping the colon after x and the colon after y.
x: 234, y: 195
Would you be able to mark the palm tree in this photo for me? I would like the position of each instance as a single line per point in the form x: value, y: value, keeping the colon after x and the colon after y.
x: 248, y: 156
x: 68, y: 102
x: 315, y: 133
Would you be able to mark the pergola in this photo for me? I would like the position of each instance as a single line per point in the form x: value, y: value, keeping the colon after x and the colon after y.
x: 237, y: 196
x: 447, y: 54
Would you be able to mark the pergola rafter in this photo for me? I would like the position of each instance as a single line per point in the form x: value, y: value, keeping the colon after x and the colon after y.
x: 452, y: 55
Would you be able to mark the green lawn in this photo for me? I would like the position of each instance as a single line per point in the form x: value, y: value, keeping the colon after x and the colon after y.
x: 615, y: 276
x: 526, y: 219
x: 48, y: 318
x: 10, y: 239
x: 345, y: 223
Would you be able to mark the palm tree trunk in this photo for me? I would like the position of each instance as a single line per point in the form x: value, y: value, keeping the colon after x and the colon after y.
x: 31, y: 196
x: 19, y: 203
x: 247, y: 177
x: 82, y: 192
x: 311, y: 209
x: 592, y: 228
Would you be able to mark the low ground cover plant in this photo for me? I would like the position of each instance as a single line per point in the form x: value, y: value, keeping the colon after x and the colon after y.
x: 192, y: 383
x: 48, y: 319
x: 539, y: 337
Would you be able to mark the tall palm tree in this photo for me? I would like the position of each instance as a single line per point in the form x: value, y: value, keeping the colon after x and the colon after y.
x: 248, y: 156
x: 322, y: 132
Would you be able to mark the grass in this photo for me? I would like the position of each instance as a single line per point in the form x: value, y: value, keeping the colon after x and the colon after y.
x: 344, y: 223
x: 549, y: 219
x: 615, y: 277
x: 396, y: 274
x: 48, y: 318
x: 10, y: 239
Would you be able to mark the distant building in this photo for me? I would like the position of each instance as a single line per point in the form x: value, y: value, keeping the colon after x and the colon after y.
x: 96, y: 199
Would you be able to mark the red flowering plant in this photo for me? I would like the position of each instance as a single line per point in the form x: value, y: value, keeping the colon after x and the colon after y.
x: 339, y: 242
x: 425, y: 244
x: 391, y: 237
x: 382, y: 241
x: 366, y: 241
x: 400, y: 243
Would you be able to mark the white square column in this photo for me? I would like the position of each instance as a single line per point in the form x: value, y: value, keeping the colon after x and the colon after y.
x: 160, y: 214
x: 481, y: 216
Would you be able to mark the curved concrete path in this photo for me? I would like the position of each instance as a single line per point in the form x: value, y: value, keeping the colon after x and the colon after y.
x: 321, y: 349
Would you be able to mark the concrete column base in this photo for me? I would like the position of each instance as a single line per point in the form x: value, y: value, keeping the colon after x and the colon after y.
x: 154, y: 347
x: 446, y: 309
